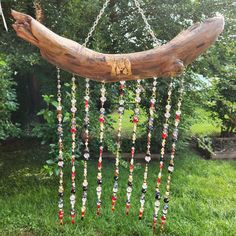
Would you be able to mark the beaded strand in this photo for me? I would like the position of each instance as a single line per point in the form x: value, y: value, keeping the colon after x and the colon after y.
x: 163, y: 144
x: 99, y: 175
x: 148, y: 150
x: 118, y: 143
x: 60, y: 147
x: 131, y: 164
x: 73, y: 137
x: 86, y: 149
x: 173, y: 149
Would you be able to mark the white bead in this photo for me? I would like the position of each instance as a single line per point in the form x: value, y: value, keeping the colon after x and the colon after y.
x: 103, y: 99
x: 72, y: 197
x: 129, y: 189
x: 167, y: 115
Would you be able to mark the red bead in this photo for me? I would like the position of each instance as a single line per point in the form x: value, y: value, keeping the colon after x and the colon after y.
x: 159, y: 180
x: 101, y: 119
x: 73, y: 130
x: 135, y: 119
x: 113, y: 198
x: 98, y: 206
x: 73, y: 174
x: 132, y: 151
x: 61, y: 214
x: 131, y: 167
x: 140, y: 214
x: 161, y: 165
x: 164, y: 135
x: 99, y: 164
x: 177, y: 117
x: 82, y: 214
x: 122, y: 86
x: 163, y: 218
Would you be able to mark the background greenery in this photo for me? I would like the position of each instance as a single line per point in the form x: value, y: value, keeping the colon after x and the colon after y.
x: 203, y: 194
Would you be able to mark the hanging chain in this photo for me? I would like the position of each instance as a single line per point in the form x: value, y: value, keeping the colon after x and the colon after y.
x: 60, y: 147
x: 173, y: 149
x: 96, y: 22
x: 86, y: 149
x: 140, y: 10
x: 118, y: 143
x: 101, y: 121
x: 148, y: 151
x: 87, y: 119
x: 73, y: 146
x: 131, y: 165
x: 163, y: 144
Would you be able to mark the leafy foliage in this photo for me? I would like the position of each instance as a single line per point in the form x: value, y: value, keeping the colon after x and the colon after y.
x: 7, y: 101
x: 120, y: 30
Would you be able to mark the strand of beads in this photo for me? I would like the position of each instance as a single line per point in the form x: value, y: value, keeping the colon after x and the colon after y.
x: 60, y: 147
x: 86, y: 149
x: 148, y: 150
x: 118, y: 143
x: 73, y: 137
x: 131, y: 165
x: 163, y: 144
x: 101, y: 121
x: 173, y: 149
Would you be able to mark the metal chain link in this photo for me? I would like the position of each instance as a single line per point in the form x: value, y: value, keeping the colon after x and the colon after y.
x: 140, y: 10
x: 96, y: 22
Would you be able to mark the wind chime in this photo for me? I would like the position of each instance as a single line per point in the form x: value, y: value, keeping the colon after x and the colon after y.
x: 168, y: 60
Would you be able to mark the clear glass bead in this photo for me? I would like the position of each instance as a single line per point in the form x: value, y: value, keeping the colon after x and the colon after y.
x: 72, y: 197
x: 167, y: 115
x: 103, y: 99
x: 73, y: 109
x: 147, y: 158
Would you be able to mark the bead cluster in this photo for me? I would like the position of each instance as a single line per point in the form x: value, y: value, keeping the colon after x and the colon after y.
x: 148, y: 150
x: 173, y: 149
x: 86, y: 153
x: 101, y: 121
x: 163, y: 144
x: 60, y: 147
x: 131, y: 164
x: 73, y: 146
x: 118, y: 143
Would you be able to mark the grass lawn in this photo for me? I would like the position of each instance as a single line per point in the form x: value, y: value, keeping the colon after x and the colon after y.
x: 127, y: 125
x: 202, y: 203
x: 205, y: 125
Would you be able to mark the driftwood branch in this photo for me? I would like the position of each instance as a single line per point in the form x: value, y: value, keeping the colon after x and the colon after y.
x: 167, y: 60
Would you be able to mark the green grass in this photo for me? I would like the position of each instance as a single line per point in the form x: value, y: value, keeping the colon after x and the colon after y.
x: 127, y: 125
x: 202, y: 202
x: 203, y: 124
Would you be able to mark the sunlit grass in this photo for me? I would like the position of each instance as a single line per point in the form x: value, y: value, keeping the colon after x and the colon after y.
x: 202, y: 202
x: 127, y: 124
x: 203, y: 124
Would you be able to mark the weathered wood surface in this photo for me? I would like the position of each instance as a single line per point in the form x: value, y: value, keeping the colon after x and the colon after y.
x: 165, y: 61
